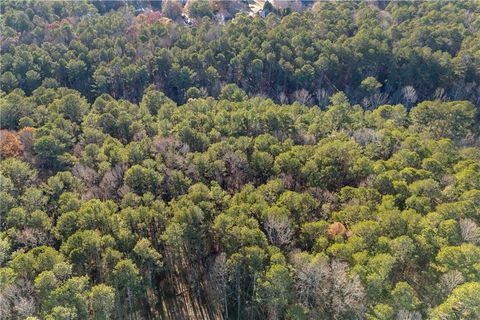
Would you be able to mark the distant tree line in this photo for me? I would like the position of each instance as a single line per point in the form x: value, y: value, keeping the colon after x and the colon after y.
x: 393, y: 52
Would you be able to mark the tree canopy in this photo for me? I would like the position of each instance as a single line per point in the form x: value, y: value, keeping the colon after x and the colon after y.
x: 160, y: 161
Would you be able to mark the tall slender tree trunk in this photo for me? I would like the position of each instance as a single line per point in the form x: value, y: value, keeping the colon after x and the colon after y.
x: 130, y: 305
x: 238, y: 299
x: 225, y: 302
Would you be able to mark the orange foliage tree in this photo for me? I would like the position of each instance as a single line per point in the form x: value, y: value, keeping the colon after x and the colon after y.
x: 10, y: 144
x: 336, y: 228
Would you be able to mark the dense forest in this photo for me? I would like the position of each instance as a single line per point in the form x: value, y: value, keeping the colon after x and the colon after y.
x: 171, y: 160
x: 403, y: 53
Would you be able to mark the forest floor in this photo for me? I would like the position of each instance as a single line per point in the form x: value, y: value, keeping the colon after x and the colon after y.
x: 178, y: 300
